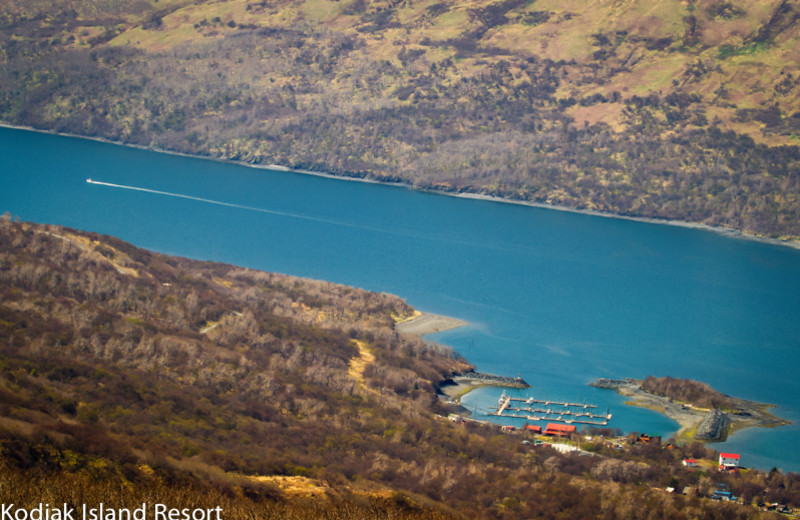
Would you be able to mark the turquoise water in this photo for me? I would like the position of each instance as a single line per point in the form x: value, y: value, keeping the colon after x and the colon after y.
x: 559, y: 298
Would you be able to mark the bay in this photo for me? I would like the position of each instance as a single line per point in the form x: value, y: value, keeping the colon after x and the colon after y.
x: 557, y: 297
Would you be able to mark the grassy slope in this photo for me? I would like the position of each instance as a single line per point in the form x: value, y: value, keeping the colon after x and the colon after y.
x: 675, y: 109
x: 724, y: 44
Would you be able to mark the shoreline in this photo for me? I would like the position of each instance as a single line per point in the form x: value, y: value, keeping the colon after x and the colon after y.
x: 726, y: 232
x: 749, y: 414
x: 424, y: 323
x: 450, y: 391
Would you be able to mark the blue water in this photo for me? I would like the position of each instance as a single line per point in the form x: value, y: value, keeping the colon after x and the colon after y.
x: 559, y: 298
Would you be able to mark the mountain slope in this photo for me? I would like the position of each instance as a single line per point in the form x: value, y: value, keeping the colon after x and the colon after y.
x: 680, y: 109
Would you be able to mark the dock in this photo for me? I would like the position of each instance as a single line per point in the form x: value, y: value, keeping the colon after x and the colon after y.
x: 531, y: 400
x: 578, y: 413
x: 503, y: 404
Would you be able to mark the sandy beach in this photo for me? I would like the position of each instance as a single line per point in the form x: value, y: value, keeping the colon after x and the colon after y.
x: 451, y: 391
x: 688, y: 417
x: 426, y: 323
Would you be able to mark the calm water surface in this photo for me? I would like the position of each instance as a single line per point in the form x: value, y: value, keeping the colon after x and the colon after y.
x: 559, y: 298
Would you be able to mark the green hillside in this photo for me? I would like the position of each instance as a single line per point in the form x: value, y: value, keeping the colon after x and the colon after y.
x: 683, y: 110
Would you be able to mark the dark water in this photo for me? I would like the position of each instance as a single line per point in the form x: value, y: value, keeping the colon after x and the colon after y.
x: 559, y: 298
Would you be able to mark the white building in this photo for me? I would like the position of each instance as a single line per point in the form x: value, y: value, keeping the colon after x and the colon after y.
x: 728, y: 460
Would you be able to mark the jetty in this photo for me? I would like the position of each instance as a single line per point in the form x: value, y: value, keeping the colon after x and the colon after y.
x: 480, y: 379
x: 616, y: 384
x: 566, y: 412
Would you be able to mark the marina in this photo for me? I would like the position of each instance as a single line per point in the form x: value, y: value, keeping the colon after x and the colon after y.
x: 569, y: 413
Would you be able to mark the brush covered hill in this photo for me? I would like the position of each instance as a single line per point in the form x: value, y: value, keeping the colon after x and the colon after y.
x: 677, y: 109
x: 129, y: 377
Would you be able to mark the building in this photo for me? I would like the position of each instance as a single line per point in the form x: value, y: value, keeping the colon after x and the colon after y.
x: 532, y: 428
x: 562, y: 430
x: 725, y: 496
x: 648, y: 439
x: 690, y: 463
x: 728, y: 461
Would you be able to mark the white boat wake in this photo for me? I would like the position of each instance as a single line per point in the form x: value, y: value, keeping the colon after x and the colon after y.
x: 237, y: 206
x: 412, y: 233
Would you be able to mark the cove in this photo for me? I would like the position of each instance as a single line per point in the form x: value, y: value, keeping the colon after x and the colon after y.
x: 559, y: 298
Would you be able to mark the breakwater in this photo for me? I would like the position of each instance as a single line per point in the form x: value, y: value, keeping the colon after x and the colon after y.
x: 616, y: 384
x: 479, y: 378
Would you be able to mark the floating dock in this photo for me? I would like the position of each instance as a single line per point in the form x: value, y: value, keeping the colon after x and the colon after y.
x: 531, y: 400
x: 578, y: 413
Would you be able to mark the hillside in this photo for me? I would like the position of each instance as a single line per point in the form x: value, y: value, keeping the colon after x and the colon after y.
x: 683, y: 110
x: 129, y: 377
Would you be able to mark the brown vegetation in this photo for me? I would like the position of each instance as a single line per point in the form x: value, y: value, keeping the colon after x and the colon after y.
x: 697, y: 394
x: 128, y: 376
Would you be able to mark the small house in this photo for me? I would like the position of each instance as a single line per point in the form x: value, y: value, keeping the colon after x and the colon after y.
x: 725, y: 496
x: 507, y: 428
x: 532, y: 428
x: 690, y: 463
x: 728, y: 461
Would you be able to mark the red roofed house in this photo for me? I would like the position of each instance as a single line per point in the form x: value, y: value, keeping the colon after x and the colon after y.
x: 559, y: 429
x: 690, y: 463
x: 728, y: 460
x: 533, y: 428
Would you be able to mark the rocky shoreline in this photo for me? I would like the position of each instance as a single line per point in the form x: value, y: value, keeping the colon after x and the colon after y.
x: 702, y: 424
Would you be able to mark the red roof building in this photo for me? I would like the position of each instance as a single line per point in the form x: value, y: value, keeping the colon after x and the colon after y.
x: 533, y: 428
x: 728, y: 460
x: 559, y: 429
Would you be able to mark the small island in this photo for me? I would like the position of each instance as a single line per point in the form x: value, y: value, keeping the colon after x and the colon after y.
x: 703, y: 413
